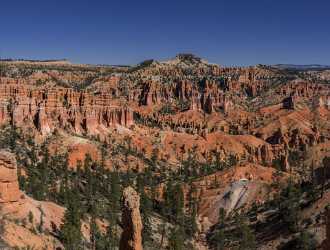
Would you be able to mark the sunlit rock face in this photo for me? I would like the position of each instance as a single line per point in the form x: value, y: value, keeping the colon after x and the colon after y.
x: 10, y: 194
x: 48, y: 109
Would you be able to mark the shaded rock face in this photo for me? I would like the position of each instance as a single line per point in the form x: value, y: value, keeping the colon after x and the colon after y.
x: 131, y: 238
x: 47, y: 109
x: 289, y: 103
x: 207, y: 97
x: 9, y: 188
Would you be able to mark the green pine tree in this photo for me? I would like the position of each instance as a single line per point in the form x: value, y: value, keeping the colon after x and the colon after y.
x: 176, y: 239
x: 70, y: 232
x: 245, y: 234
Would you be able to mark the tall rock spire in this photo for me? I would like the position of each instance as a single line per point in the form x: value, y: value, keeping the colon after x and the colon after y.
x: 131, y: 238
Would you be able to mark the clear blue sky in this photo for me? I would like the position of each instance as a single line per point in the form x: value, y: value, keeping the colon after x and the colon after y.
x: 227, y: 32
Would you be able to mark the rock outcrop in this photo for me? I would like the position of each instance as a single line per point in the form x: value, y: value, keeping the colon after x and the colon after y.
x: 10, y: 194
x: 131, y: 238
x: 16, y: 206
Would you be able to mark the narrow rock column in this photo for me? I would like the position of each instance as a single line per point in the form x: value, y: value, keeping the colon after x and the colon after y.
x: 131, y: 238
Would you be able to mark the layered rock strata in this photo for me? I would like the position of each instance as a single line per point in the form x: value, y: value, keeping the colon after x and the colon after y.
x: 48, y: 109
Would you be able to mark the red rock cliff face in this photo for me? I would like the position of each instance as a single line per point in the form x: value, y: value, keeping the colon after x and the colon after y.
x: 47, y: 109
x: 207, y: 98
x: 206, y: 94
x: 9, y: 190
